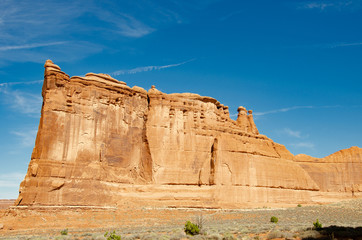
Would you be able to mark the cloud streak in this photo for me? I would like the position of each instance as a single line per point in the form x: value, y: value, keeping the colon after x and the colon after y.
x: 344, y: 45
x: 229, y: 15
x: 292, y: 133
x: 281, y: 110
x: 23, y: 102
x: 9, y: 184
x: 125, y: 24
x: 19, y: 83
x: 320, y: 6
x: 147, y: 68
x: 27, y: 138
x: 34, y: 32
x: 11, y: 179
x: 327, y: 45
x: 324, y: 5
x: 303, y: 145
x: 29, y: 46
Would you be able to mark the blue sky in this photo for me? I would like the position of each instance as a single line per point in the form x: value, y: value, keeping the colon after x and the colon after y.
x: 296, y: 64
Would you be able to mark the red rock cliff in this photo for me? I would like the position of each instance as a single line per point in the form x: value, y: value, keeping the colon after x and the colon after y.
x: 338, y: 172
x: 101, y: 142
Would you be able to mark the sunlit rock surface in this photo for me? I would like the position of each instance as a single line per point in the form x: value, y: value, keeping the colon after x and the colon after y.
x: 101, y: 143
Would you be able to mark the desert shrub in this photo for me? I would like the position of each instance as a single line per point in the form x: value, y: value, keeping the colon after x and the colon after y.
x: 228, y: 236
x: 275, y: 234
x: 37, y: 238
x: 112, y: 236
x: 279, y: 234
x: 131, y: 237
x: 191, y: 229
x: 299, y: 205
x: 274, y: 219
x: 153, y: 236
x: 200, y: 222
x: 309, y: 234
x: 214, y: 236
x: 317, y: 225
x: 86, y: 235
x: 177, y: 236
x: 62, y: 237
x: 64, y: 232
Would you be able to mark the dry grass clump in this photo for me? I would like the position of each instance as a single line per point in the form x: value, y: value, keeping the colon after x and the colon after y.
x: 37, y: 238
x: 228, y: 236
x: 178, y: 235
x: 214, y: 236
x: 154, y: 236
x: 63, y: 237
x: 200, y: 221
x: 279, y: 234
x: 309, y: 234
x: 97, y: 236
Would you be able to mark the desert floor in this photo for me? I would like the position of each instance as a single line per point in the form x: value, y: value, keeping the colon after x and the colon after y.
x: 158, y: 223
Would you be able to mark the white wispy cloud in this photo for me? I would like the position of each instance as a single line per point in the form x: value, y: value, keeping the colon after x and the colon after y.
x: 315, y: 5
x: 20, y: 83
x: 147, y: 68
x: 280, y: 110
x: 324, y: 5
x: 9, y: 184
x: 303, y: 145
x: 29, y: 46
x: 27, y: 137
x: 27, y: 102
x: 328, y: 45
x: 23, y: 102
x: 41, y: 29
x: 125, y: 24
x: 292, y: 133
x: 335, y: 45
x: 230, y: 15
x: 11, y: 179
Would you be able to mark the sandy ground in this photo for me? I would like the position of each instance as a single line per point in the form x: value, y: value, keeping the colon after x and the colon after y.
x: 5, y: 203
x: 164, y: 223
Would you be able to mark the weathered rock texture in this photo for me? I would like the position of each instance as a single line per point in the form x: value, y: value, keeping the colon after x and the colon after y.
x: 338, y: 172
x: 101, y: 143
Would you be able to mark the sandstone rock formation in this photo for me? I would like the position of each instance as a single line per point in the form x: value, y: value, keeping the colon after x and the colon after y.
x: 338, y: 172
x: 101, y: 142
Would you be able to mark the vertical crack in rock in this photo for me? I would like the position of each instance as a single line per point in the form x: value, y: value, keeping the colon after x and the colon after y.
x: 200, y: 180
x: 213, y: 160
x: 146, y: 160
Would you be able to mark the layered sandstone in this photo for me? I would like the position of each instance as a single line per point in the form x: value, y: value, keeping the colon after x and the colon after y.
x: 338, y: 172
x: 101, y: 142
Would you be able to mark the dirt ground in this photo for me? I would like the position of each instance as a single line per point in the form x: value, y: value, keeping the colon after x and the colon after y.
x: 341, y: 220
x: 5, y: 203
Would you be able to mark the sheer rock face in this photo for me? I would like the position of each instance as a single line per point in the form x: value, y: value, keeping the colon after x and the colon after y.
x: 338, y: 172
x: 101, y: 142
x: 91, y: 132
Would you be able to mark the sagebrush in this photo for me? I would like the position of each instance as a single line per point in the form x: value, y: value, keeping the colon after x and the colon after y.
x: 112, y: 236
x: 274, y: 219
x: 191, y: 229
x: 317, y: 225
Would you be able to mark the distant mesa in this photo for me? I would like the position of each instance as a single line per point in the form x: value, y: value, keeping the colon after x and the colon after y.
x: 103, y: 143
